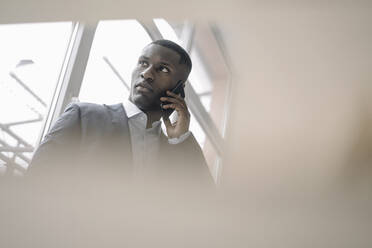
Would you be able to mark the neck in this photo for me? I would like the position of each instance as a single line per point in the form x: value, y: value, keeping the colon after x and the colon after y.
x: 152, y: 116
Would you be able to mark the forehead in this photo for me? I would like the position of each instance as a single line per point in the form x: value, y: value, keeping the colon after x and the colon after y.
x: 158, y: 53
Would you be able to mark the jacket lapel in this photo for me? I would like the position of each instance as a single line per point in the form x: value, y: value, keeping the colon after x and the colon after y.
x: 121, y: 134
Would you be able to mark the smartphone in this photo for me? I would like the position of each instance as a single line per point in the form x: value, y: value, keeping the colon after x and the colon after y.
x: 178, y: 89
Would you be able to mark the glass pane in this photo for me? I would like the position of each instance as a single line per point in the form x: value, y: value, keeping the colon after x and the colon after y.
x: 199, y: 78
x: 166, y: 30
x: 115, y: 51
x: 210, y: 76
x: 31, y: 59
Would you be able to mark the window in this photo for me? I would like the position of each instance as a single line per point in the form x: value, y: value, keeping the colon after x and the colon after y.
x: 31, y: 60
x: 115, y: 50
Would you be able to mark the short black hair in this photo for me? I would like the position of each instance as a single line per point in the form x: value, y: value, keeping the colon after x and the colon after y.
x: 184, y: 56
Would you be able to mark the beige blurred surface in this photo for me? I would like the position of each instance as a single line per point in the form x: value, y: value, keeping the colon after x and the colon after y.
x: 297, y: 169
x: 302, y: 93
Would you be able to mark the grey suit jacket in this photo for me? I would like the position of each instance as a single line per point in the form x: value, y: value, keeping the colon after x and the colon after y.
x: 90, y: 139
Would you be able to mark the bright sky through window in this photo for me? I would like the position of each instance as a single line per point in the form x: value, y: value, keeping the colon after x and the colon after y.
x: 30, y: 62
x: 115, y: 49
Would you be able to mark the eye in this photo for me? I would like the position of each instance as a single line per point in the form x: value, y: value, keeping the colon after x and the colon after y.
x: 164, y: 69
x: 143, y: 63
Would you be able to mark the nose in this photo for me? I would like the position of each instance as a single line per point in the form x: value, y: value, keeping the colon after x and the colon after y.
x: 147, y: 74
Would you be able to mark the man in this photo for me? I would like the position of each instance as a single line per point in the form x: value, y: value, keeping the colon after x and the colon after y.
x: 125, y: 140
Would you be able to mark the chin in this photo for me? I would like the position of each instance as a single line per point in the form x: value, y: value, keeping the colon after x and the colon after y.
x: 144, y: 103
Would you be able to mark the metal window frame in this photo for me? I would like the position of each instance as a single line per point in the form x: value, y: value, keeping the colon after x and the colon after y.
x: 72, y: 72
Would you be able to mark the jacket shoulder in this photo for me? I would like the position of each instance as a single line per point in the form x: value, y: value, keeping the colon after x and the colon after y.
x: 98, y: 116
x: 87, y: 109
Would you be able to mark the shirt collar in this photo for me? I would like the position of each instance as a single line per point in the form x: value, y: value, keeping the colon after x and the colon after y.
x: 132, y: 111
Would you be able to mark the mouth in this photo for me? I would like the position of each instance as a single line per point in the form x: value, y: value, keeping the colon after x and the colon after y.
x: 144, y: 87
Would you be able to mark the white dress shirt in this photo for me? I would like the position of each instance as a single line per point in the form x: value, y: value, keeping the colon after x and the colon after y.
x: 145, y: 141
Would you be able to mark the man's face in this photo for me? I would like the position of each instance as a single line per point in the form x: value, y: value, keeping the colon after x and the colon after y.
x: 157, y: 71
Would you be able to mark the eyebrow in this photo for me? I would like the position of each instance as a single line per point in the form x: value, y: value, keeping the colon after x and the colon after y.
x: 161, y: 62
x: 167, y: 64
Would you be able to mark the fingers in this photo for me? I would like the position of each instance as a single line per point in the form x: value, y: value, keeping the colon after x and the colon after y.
x: 167, y: 122
x: 177, y: 99
x: 177, y: 103
x: 177, y: 107
x: 181, y: 110
x: 174, y: 100
x: 170, y: 93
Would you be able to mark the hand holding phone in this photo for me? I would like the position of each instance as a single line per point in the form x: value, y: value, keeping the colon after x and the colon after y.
x: 178, y: 89
x: 174, y: 100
